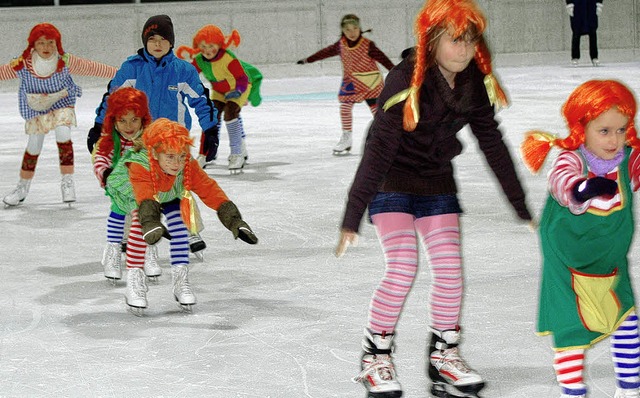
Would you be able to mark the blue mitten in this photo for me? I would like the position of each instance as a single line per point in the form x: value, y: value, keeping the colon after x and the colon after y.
x: 232, y: 95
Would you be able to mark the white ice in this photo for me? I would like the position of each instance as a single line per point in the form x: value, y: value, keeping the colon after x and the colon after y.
x: 283, y: 318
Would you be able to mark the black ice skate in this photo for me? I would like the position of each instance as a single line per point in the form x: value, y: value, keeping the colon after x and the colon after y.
x: 450, y: 376
x: 378, y: 374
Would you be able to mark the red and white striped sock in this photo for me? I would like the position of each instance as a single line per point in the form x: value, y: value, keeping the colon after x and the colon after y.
x: 569, y: 365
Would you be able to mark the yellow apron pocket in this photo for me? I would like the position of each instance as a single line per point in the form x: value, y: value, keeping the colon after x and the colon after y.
x: 369, y: 79
x: 598, y: 305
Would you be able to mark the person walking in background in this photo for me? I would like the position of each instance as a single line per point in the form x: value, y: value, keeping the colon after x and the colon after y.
x: 158, y: 171
x: 47, y: 97
x: 406, y: 179
x: 127, y: 114
x: 361, y: 77
x: 170, y: 84
x: 233, y: 84
x: 586, y: 231
x: 583, y: 15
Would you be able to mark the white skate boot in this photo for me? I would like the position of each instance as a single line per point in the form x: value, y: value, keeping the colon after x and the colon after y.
x: 236, y: 163
x: 197, y: 246
x: 245, y: 154
x: 181, y: 288
x: 68, y: 189
x: 344, y: 145
x: 450, y: 376
x: 136, y: 293
x: 152, y: 269
x: 112, y: 261
x: 627, y: 393
x: 19, y: 194
x: 378, y: 373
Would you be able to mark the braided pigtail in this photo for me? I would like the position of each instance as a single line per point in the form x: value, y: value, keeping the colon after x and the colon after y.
x: 496, y: 94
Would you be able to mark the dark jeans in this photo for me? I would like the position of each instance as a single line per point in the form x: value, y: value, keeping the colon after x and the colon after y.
x: 418, y: 205
x: 593, y: 45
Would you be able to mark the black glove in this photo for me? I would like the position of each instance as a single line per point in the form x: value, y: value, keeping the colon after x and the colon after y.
x: 105, y: 175
x: 597, y: 186
x: 301, y: 62
x: 149, y: 215
x: 210, y: 143
x: 230, y: 217
x: 93, y: 136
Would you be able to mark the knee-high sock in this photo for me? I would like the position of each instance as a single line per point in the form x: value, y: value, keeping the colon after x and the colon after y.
x: 241, y: 127
x: 625, y: 352
x: 441, y: 238
x: 30, y: 157
x: 136, y: 246
x: 569, y: 365
x: 235, y: 136
x: 179, y: 243
x: 115, y: 227
x: 400, y: 246
x: 65, y: 153
x: 346, y: 116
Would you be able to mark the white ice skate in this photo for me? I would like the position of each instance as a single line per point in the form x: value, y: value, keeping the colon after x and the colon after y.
x: 112, y: 261
x: 152, y: 269
x: 136, y: 293
x: 451, y: 377
x: 19, y: 194
x: 378, y: 374
x: 236, y: 163
x: 68, y: 189
x: 202, y: 161
x: 344, y: 145
x: 595, y: 62
x: 627, y: 393
x: 197, y: 246
x: 181, y: 288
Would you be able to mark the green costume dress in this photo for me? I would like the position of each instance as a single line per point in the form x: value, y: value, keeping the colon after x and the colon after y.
x: 585, y: 291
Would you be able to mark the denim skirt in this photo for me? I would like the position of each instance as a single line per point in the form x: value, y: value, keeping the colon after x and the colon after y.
x: 418, y: 205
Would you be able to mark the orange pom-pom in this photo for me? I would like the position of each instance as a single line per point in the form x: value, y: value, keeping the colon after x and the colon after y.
x: 535, y: 148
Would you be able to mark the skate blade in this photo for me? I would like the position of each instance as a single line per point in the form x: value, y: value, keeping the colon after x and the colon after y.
x: 235, y: 171
x: 186, y: 308
x: 342, y: 153
x: 153, y: 278
x: 112, y: 281
x: 199, y: 255
x: 8, y: 205
x: 137, y: 311
x: 387, y: 394
x: 443, y: 390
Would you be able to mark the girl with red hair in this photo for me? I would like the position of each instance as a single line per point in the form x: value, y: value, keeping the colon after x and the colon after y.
x: 159, y: 170
x: 586, y: 230
x: 47, y: 96
x: 233, y: 83
x: 127, y: 114
x: 406, y: 179
x: 361, y: 77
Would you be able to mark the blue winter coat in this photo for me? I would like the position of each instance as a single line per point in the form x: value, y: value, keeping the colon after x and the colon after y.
x: 584, y: 18
x: 170, y: 85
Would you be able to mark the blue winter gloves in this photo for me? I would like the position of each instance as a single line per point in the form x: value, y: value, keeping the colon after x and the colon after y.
x: 232, y: 94
x: 93, y: 136
x: 590, y: 188
x: 230, y: 217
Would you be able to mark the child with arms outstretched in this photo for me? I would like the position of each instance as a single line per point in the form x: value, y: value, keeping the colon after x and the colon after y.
x: 160, y: 171
x: 406, y: 179
x: 361, y: 77
x: 127, y: 114
x: 586, y: 231
x: 47, y: 97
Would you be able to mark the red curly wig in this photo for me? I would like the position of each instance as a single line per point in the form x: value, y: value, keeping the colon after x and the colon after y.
x: 585, y: 103
x: 463, y: 18
x: 210, y: 34
x: 120, y: 102
x: 50, y: 32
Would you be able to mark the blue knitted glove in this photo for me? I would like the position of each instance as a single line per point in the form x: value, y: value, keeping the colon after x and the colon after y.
x: 232, y: 95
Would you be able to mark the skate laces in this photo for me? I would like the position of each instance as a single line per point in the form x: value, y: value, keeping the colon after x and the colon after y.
x: 380, y: 364
x: 138, y: 283
x: 113, y: 256
x: 181, y: 283
x: 450, y: 358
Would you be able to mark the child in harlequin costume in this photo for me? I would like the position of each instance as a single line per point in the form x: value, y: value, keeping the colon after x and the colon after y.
x: 586, y: 231
x: 47, y: 96
x: 361, y: 77
x: 232, y: 87
x: 406, y: 180
x: 127, y: 114
x: 157, y: 172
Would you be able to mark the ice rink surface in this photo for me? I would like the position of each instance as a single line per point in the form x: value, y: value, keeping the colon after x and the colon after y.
x: 284, y: 318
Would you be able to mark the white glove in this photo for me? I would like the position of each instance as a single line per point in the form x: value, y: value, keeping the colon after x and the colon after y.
x: 598, y: 9
x: 570, y: 9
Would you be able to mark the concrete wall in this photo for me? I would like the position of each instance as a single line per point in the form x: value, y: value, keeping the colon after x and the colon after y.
x: 276, y: 33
